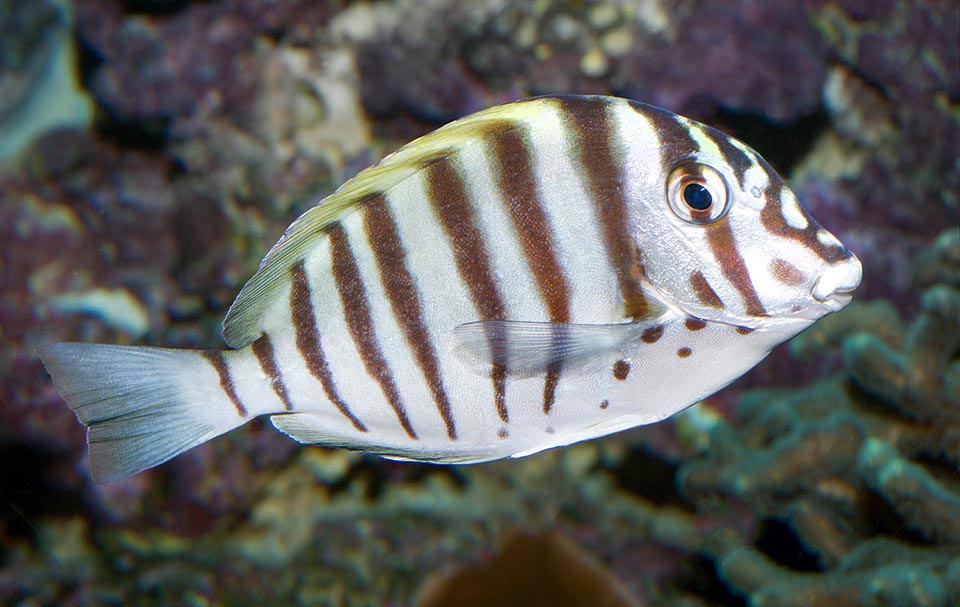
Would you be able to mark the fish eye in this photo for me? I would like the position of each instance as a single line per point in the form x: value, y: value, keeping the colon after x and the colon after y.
x: 697, y: 193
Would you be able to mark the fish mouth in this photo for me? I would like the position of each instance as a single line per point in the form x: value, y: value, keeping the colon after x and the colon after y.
x: 835, y: 286
x: 836, y: 300
x: 821, y: 308
x: 818, y: 307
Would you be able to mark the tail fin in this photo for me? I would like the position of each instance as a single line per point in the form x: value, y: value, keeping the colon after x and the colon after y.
x: 142, y: 405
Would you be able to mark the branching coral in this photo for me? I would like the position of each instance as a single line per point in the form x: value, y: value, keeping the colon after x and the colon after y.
x: 862, y: 469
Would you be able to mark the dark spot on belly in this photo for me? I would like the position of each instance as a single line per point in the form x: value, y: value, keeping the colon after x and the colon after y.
x: 604, y: 404
x: 744, y: 330
x: 621, y: 369
x: 694, y: 324
x: 502, y: 433
x: 652, y: 334
x: 684, y: 352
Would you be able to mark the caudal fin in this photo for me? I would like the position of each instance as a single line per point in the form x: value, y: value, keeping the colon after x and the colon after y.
x: 142, y: 406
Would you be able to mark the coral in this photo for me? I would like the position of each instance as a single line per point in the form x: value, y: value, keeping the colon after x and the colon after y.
x: 38, y: 87
x: 914, y: 580
x: 920, y: 381
x: 643, y: 50
x: 841, y: 464
x: 26, y: 49
x: 173, y: 67
x: 939, y: 263
x: 892, y: 101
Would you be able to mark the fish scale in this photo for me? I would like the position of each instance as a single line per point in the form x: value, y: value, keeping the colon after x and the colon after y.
x: 535, y: 274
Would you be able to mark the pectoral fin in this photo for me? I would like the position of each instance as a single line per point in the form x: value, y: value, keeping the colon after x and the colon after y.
x: 528, y: 348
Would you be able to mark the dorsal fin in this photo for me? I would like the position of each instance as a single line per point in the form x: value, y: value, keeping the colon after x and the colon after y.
x: 243, y: 323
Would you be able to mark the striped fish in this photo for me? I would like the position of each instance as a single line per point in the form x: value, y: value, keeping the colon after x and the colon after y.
x: 535, y: 274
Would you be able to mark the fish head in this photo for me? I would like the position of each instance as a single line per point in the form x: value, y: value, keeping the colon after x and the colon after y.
x: 732, y: 243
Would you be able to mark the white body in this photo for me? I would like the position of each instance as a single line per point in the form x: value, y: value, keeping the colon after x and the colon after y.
x: 652, y: 323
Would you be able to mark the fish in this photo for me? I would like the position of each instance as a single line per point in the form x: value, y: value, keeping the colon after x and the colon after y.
x: 535, y: 274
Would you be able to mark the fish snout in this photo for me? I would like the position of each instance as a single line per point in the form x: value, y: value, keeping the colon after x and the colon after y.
x: 835, y: 286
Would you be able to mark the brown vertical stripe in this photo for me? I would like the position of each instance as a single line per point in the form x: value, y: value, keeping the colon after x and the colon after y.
x: 704, y: 291
x: 356, y: 311
x: 550, y: 387
x: 723, y: 245
x: 734, y: 156
x: 308, y: 341
x: 771, y: 217
x: 635, y: 303
x: 594, y: 147
x: 499, y: 376
x: 215, y: 358
x: 680, y: 145
x: 518, y: 188
x: 263, y: 350
x: 461, y: 225
x: 448, y: 197
x: 384, y: 239
x: 675, y: 135
x: 676, y: 143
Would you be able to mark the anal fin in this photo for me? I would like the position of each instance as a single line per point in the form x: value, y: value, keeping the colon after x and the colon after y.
x: 309, y: 429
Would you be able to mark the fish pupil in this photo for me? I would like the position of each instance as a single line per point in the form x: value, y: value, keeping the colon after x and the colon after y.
x: 697, y: 197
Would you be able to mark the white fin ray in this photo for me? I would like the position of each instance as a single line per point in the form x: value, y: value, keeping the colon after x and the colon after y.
x: 527, y: 348
x: 243, y: 323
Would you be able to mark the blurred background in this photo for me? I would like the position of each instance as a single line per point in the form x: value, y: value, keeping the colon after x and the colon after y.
x: 151, y: 151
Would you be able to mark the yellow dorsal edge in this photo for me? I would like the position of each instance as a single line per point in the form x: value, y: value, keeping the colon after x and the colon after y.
x: 243, y: 323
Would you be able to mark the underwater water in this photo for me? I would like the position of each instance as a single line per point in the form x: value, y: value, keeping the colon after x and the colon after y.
x: 152, y: 151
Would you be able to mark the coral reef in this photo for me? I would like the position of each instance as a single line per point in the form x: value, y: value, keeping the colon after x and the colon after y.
x: 829, y: 88
x: 858, y: 472
x: 829, y: 475
x: 891, y: 96
x: 39, y: 89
